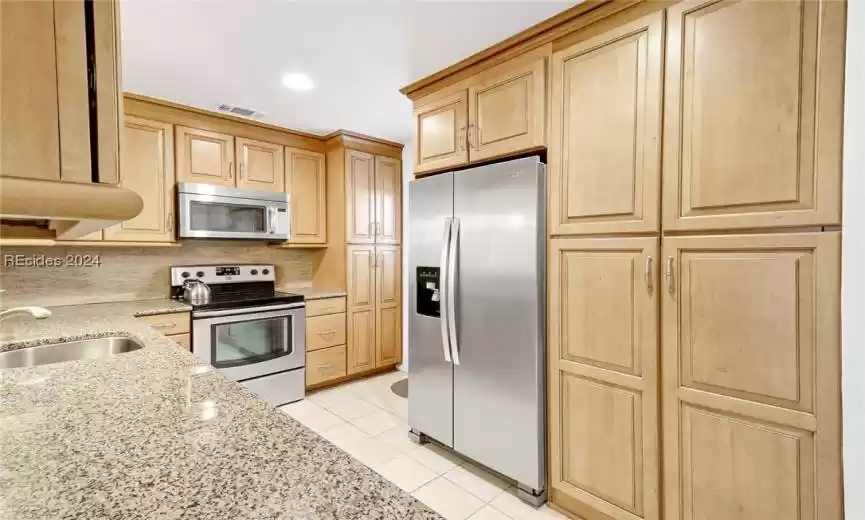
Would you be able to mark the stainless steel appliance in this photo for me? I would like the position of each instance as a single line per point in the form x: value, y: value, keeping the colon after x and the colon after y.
x: 476, y: 317
x: 209, y: 211
x: 247, y: 330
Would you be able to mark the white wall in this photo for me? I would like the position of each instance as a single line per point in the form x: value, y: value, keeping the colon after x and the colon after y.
x: 853, y: 267
x: 407, y: 173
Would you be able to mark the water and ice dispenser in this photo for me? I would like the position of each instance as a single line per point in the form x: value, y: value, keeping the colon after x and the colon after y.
x: 428, y: 291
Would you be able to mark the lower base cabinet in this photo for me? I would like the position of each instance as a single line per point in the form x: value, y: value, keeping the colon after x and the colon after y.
x: 603, y: 393
x: 751, y: 386
x: 324, y: 365
x: 750, y: 393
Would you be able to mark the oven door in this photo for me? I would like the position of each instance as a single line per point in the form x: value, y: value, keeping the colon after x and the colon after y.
x: 218, y: 216
x: 251, y: 342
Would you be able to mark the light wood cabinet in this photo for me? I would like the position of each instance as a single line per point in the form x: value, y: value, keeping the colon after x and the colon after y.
x: 360, y: 197
x: 325, y: 306
x: 374, y: 307
x: 388, y: 200
x: 388, y: 312
x: 606, y: 120
x: 361, y: 308
x: 497, y: 112
x: 753, y: 114
x: 260, y: 165
x: 325, y: 331
x: 325, y: 365
x: 305, y: 185
x: 440, y: 128
x: 45, y: 126
x: 603, y: 390
x: 148, y: 170
x: 204, y: 156
x: 751, y: 360
x: 168, y: 324
x: 506, y: 110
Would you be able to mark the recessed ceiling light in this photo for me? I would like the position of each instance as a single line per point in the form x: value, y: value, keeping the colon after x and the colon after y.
x: 297, y: 81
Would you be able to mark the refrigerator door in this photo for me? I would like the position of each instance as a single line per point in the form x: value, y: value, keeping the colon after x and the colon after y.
x: 430, y: 401
x: 499, y: 383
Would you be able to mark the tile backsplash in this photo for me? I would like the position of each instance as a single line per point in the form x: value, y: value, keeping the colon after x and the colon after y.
x: 128, y: 274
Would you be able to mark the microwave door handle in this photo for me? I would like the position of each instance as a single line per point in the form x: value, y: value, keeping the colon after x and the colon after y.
x: 452, y: 289
x: 443, y: 270
x: 271, y: 226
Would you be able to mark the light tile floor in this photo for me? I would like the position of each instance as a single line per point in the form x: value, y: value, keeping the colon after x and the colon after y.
x: 367, y: 420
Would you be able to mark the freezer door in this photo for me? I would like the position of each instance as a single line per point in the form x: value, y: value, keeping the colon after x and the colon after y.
x: 430, y: 394
x: 499, y: 383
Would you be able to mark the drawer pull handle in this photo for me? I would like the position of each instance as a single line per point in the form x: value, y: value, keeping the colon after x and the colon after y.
x: 327, y: 333
x: 325, y: 365
x: 164, y: 325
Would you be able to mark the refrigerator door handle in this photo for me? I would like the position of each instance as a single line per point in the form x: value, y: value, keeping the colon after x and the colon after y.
x: 443, y: 282
x: 450, y: 297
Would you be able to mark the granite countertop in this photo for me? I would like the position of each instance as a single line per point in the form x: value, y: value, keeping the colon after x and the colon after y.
x: 314, y: 294
x: 154, y: 434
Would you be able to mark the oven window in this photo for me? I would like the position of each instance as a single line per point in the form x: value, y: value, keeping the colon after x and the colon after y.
x: 245, y: 342
x: 220, y: 216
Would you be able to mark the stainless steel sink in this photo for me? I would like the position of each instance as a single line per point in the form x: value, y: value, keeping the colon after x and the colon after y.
x: 68, y: 351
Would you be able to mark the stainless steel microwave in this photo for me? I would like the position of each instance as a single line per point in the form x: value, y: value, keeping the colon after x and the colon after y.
x: 210, y: 211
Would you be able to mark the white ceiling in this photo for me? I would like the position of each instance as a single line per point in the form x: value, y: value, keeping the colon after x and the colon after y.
x: 359, y: 54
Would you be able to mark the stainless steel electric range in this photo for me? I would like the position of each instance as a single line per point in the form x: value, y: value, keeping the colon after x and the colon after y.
x: 245, y: 328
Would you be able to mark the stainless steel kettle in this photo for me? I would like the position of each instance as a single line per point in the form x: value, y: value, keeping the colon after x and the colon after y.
x: 196, y: 292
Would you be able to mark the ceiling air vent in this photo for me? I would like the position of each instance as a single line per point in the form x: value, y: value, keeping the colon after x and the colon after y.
x: 240, y: 111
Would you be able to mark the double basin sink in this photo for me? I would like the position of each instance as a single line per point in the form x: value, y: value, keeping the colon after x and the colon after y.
x: 95, y: 348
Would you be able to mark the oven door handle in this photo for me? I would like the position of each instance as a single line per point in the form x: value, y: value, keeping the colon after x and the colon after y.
x: 246, y: 310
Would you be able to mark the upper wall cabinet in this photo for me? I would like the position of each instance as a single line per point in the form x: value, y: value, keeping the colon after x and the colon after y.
x: 204, y: 156
x: 360, y: 197
x: 305, y: 185
x: 440, y: 132
x: 497, y: 112
x: 148, y: 170
x: 388, y: 206
x: 259, y: 165
x: 605, y: 128
x: 45, y: 119
x: 506, y: 110
x: 753, y: 114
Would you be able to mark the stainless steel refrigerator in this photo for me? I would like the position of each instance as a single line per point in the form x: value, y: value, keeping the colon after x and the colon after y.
x: 476, y: 317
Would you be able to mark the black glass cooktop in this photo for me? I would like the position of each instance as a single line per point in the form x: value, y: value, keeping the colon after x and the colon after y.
x: 236, y: 296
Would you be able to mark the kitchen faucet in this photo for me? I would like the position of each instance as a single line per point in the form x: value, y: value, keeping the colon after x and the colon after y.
x: 39, y: 313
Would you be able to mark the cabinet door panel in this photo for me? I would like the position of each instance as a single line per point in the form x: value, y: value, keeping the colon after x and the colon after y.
x: 148, y: 170
x: 305, y: 185
x: 605, y: 146
x: 360, y: 197
x: 604, y: 376
x: 388, y: 200
x: 204, y: 156
x: 440, y: 132
x: 506, y: 110
x: 753, y: 114
x: 751, y: 377
x: 361, y: 308
x: 259, y: 165
x: 29, y: 128
x: 388, y: 313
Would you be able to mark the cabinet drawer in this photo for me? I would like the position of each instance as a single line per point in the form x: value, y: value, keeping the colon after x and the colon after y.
x: 176, y: 323
x: 182, y: 339
x: 325, y: 331
x: 325, y: 364
x: 325, y: 306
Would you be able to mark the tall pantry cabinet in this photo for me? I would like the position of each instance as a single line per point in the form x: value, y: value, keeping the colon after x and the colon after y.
x: 708, y: 256
x: 364, y: 192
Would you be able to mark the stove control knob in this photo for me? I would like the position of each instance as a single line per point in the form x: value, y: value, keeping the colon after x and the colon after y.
x: 254, y: 272
x: 200, y: 274
x: 266, y: 271
x: 185, y: 274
